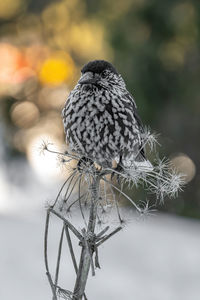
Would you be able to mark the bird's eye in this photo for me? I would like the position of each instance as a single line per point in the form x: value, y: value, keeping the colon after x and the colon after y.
x: 103, y: 74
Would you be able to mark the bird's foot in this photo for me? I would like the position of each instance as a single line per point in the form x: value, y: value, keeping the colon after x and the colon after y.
x: 117, y: 172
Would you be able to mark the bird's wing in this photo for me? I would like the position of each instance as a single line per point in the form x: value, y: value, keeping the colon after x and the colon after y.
x: 131, y: 102
x: 134, y: 107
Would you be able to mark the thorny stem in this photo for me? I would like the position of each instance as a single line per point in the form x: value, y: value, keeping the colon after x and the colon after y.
x: 86, y: 255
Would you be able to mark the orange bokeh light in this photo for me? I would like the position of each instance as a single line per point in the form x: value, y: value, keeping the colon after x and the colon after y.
x: 14, y: 67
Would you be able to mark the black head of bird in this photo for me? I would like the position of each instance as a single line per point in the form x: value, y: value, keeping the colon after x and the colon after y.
x: 99, y: 73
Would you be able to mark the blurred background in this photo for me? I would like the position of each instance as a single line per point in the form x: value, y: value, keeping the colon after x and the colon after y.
x: 155, y: 45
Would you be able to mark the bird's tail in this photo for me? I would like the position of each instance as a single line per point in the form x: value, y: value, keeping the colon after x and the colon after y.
x: 144, y: 166
x: 141, y: 163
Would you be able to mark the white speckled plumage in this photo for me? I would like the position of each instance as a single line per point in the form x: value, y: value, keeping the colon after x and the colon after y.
x: 100, y: 117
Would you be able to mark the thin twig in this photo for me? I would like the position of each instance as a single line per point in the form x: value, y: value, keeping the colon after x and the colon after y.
x: 59, y: 256
x: 105, y: 193
x: 96, y: 259
x: 108, y: 236
x: 71, y: 177
x: 102, y: 232
x: 70, y: 247
x: 126, y: 196
x: 116, y: 204
x: 61, y: 190
x: 46, y: 255
x: 66, y: 199
x: 68, y: 209
x: 63, y: 154
x: 79, y: 198
x: 71, y: 227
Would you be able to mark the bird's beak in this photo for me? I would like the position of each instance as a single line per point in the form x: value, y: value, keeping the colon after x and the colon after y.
x: 89, y: 78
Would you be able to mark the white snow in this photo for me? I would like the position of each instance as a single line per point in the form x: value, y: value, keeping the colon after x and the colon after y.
x: 152, y: 260
x: 158, y: 259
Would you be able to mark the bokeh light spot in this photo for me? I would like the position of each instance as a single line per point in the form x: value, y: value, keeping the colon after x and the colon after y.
x: 57, y: 69
x: 24, y: 114
x: 9, y: 8
x: 9, y: 62
x: 44, y: 164
x: 14, y: 68
x: 183, y: 164
x: 53, y: 97
x: 87, y: 40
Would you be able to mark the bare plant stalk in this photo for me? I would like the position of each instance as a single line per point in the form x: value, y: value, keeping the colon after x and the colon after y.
x: 159, y: 180
x: 87, y: 251
x: 46, y: 257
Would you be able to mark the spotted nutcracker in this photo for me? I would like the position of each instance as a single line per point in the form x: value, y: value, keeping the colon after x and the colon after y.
x: 100, y: 118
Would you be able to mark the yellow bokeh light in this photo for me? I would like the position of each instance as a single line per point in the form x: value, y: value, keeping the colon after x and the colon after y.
x: 57, y: 69
x: 120, y: 8
x: 56, y: 16
x: 87, y: 40
x: 9, y: 8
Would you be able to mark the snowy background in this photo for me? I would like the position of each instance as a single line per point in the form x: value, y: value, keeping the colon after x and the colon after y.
x: 158, y: 258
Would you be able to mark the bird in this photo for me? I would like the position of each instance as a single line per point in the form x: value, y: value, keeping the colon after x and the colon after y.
x: 101, y: 120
